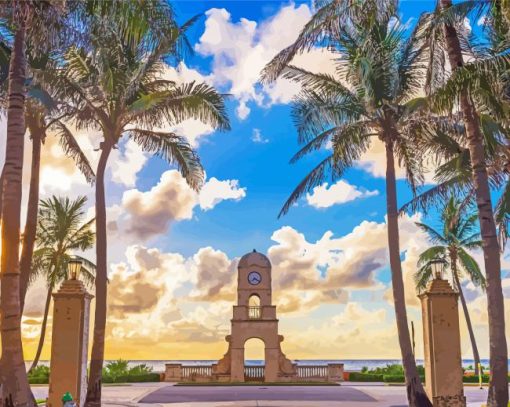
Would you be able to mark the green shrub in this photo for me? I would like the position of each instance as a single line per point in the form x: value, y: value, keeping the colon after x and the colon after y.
x: 365, y: 377
x: 138, y: 370
x: 475, y: 379
x: 39, y: 375
x: 391, y: 378
x: 38, y: 380
x: 142, y: 378
x: 116, y: 369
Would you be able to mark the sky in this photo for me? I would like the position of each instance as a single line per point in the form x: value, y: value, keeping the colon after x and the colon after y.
x: 173, y: 252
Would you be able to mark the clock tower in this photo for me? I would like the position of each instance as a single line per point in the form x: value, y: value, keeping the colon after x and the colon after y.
x: 254, y: 316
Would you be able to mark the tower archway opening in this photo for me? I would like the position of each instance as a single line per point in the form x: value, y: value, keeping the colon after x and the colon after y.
x: 254, y: 310
x: 254, y: 360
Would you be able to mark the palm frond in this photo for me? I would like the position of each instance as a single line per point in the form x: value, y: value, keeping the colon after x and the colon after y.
x: 502, y: 215
x: 174, y: 149
x: 72, y: 149
x: 433, y: 235
x: 316, y: 177
x: 324, y: 21
x: 187, y: 101
x: 470, y: 265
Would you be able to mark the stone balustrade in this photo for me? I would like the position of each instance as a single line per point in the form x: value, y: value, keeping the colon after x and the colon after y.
x: 176, y: 372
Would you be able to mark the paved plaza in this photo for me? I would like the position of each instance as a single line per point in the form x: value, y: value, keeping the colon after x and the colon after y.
x: 346, y: 395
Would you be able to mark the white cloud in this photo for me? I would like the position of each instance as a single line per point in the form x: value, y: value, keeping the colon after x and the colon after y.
x: 144, y: 215
x: 355, y: 312
x: 257, y: 137
x: 323, y: 196
x: 215, y: 191
x: 150, y: 213
x: 241, y: 49
x: 125, y: 165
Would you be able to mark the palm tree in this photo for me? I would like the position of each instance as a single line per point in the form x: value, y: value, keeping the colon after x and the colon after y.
x: 444, y: 37
x: 26, y: 17
x: 40, y: 122
x: 458, y: 234
x: 43, y: 115
x: 60, y: 231
x: 116, y: 85
x: 379, y: 73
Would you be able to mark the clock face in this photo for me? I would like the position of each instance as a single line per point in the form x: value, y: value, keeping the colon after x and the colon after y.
x: 254, y: 278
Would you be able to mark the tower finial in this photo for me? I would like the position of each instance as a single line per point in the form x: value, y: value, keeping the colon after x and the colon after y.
x: 254, y: 251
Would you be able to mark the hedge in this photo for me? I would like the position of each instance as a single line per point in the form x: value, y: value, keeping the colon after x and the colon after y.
x: 393, y: 378
x: 365, y: 377
x: 38, y: 379
x: 144, y: 378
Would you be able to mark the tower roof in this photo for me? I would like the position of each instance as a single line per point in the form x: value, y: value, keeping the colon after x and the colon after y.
x: 254, y: 258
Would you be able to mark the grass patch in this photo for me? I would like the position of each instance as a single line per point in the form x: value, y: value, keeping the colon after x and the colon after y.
x: 258, y: 384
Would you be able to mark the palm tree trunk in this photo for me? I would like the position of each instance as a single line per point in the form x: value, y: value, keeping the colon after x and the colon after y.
x: 27, y: 250
x: 498, y: 388
x: 43, y: 330
x: 1, y: 189
x: 476, y: 355
x: 416, y: 395
x: 97, y: 356
x: 15, y: 389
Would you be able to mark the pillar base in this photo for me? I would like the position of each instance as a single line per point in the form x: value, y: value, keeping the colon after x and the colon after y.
x: 449, y: 401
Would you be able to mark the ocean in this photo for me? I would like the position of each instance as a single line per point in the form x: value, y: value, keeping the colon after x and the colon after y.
x: 350, y: 365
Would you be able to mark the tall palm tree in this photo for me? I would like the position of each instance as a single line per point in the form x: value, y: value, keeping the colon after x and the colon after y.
x: 380, y: 70
x: 39, y: 123
x: 459, y: 234
x: 116, y: 85
x: 60, y: 231
x: 44, y: 117
x: 25, y: 17
x: 444, y: 37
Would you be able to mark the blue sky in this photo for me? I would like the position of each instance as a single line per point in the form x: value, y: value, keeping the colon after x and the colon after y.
x: 264, y: 168
x: 173, y: 253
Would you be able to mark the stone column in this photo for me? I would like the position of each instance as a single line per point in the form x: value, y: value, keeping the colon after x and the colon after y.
x: 335, y: 372
x: 173, y: 372
x: 69, y: 343
x: 237, y: 366
x: 441, y: 336
x: 272, y: 368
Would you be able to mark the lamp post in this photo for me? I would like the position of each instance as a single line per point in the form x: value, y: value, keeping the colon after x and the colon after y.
x: 438, y: 266
x: 74, y: 268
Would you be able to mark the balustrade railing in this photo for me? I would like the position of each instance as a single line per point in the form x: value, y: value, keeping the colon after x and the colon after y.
x: 254, y: 373
x: 176, y: 372
x: 189, y: 372
x: 312, y: 372
x: 254, y: 312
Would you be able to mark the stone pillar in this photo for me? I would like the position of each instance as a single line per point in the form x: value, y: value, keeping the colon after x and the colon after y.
x: 237, y: 366
x: 335, y: 372
x: 272, y: 368
x: 69, y: 343
x: 441, y: 336
x: 173, y: 372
